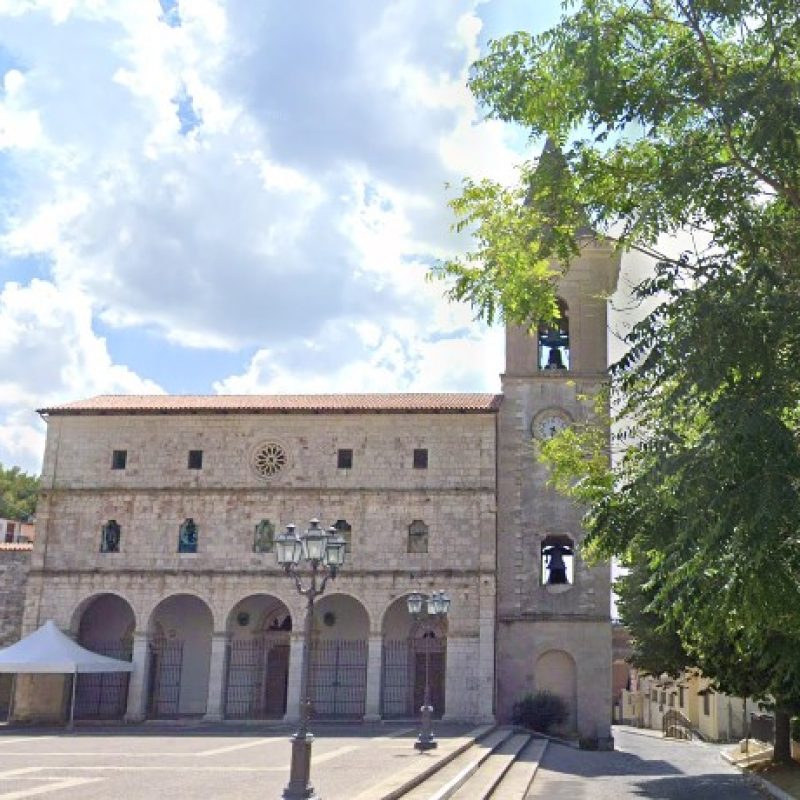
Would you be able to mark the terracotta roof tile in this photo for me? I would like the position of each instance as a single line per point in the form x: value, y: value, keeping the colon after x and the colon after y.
x: 441, y: 403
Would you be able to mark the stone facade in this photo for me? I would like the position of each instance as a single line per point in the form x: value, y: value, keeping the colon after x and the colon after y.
x: 379, y: 497
x: 474, y: 518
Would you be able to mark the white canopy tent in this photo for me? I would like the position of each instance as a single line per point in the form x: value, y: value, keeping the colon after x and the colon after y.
x: 48, y: 650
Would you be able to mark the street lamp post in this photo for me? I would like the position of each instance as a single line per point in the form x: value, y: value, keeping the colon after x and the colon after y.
x: 423, y: 608
x: 323, y: 552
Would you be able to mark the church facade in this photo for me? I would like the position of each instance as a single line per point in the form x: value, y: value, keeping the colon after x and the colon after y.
x: 158, y: 516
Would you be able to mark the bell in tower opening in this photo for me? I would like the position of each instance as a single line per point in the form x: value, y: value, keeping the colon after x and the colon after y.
x: 554, y: 341
x: 558, y: 553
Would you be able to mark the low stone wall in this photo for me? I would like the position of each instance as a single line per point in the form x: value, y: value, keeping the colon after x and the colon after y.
x: 14, y: 566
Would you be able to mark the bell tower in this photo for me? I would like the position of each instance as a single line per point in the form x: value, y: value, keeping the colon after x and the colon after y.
x: 553, y: 609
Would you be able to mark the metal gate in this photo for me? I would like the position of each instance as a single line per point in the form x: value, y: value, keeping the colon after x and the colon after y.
x: 166, y: 665
x: 104, y: 695
x: 403, y: 676
x: 338, y: 678
x: 258, y: 671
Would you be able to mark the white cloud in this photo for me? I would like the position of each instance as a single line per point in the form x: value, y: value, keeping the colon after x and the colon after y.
x: 49, y: 354
x: 263, y: 175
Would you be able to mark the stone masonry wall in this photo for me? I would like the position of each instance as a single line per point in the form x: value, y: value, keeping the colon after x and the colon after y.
x: 380, y: 496
x: 14, y: 566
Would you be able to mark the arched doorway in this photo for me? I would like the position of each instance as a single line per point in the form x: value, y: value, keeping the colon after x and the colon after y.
x: 105, y: 624
x: 179, y: 649
x: 258, y: 630
x: 556, y: 673
x: 411, y: 648
x: 338, y: 687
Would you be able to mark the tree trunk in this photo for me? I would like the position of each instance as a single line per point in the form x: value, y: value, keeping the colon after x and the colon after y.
x: 782, y: 753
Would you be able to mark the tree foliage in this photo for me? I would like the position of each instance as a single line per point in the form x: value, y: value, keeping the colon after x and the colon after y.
x: 18, y: 493
x: 673, y: 116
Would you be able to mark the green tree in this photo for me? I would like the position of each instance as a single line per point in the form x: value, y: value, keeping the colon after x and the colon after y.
x: 18, y: 493
x: 672, y: 116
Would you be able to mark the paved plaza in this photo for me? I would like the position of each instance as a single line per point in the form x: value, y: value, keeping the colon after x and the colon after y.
x: 203, y: 762
x: 351, y: 762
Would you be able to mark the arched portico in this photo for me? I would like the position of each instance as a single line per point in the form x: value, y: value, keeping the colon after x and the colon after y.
x: 258, y: 629
x: 409, y: 647
x: 104, y: 623
x: 179, y: 652
x: 339, y: 658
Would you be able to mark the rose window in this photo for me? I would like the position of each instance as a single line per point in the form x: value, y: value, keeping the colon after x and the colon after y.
x: 269, y: 460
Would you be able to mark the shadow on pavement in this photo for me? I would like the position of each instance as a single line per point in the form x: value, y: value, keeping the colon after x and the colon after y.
x: 696, y: 787
x: 589, y: 764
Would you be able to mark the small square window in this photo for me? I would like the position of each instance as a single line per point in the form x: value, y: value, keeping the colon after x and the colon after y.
x: 195, y: 459
x: 345, y: 459
x: 119, y: 458
x: 420, y: 458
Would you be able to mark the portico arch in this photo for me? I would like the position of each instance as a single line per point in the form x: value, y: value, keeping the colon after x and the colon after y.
x: 179, y: 649
x: 409, y: 647
x: 258, y: 630
x: 104, y: 623
x: 339, y: 657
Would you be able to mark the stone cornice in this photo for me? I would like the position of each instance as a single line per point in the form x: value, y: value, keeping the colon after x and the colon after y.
x: 262, y: 572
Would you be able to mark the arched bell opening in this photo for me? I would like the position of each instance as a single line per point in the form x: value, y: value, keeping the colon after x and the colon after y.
x: 554, y: 350
x: 179, y: 652
x: 104, y: 624
x: 338, y: 684
x: 558, y: 560
x: 412, y: 651
x: 259, y: 628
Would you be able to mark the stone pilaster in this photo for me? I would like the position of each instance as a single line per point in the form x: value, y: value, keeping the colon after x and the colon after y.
x: 137, y: 686
x: 486, y: 635
x: 295, y: 675
x: 372, y: 711
x: 216, y: 677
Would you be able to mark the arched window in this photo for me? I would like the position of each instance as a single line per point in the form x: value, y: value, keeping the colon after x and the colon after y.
x: 417, y: 537
x: 110, y: 536
x: 345, y: 530
x: 554, y: 341
x: 187, y: 536
x: 558, y: 561
x: 264, y: 538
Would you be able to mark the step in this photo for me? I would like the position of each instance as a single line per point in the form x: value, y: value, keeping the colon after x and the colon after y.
x: 516, y: 783
x: 423, y: 765
x: 444, y: 783
x: 491, y: 772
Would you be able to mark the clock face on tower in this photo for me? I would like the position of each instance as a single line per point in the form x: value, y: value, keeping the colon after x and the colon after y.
x: 549, y: 422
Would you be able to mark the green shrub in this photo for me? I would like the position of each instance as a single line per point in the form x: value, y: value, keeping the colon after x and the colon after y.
x: 796, y: 729
x: 540, y: 711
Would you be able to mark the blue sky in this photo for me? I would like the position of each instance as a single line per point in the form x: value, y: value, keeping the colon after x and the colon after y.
x: 203, y: 196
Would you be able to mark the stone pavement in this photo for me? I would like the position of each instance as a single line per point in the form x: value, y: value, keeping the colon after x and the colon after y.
x: 201, y: 762
x: 642, y: 766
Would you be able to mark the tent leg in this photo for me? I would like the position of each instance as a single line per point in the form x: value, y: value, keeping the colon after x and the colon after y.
x: 72, y: 702
x: 11, y: 699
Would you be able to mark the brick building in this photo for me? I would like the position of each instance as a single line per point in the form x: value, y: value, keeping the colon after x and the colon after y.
x: 158, y: 514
